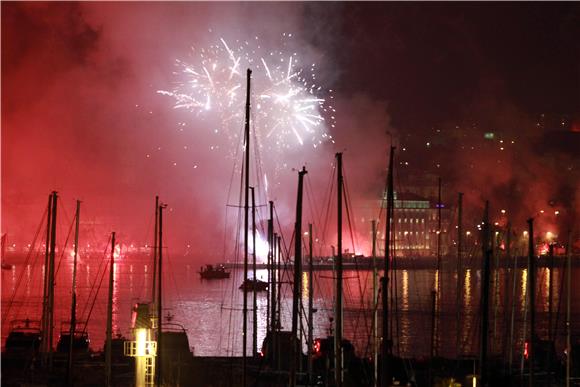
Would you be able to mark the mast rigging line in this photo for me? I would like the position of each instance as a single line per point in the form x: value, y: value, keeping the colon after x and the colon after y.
x: 316, y: 214
x: 64, y: 246
x: 26, y: 263
x: 98, y: 288
x: 362, y: 289
x: 329, y: 202
x: 94, y: 283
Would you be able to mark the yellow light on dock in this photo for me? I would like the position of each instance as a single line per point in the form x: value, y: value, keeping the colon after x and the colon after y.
x: 141, y: 339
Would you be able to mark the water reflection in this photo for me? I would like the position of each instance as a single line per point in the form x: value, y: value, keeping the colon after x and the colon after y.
x: 523, y: 290
x: 211, y: 310
x: 467, y: 308
x: 405, y: 299
x: 116, y: 291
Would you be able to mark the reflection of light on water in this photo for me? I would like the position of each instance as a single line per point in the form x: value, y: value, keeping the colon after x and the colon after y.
x: 28, y: 273
x: 146, y: 276
x: 131, y: 278
x: 467, y: 291
x: 523, y: 289
x: 13, y: 270
x: 305, y: 286
x: 466, y: 307
x: 115, y: 296
x: 404, y: 340
x: 546, y: 289
x: 405, y: 303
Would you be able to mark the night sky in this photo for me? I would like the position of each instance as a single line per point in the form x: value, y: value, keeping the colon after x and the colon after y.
x: 81, y: 113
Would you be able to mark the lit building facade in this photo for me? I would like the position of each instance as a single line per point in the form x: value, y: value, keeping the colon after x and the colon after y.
x: 415, y: 225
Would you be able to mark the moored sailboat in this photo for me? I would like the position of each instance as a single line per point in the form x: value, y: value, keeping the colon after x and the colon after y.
x: 210, y: 272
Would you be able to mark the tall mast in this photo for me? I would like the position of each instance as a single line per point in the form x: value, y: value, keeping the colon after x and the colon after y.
x: 246, y: 210
x: 310, y: 306
x: 297, y: 286
x: 568, y: 284
x: 271, y: 260
x: 506, y: 281
x: 255, y: 300
x: 438, y: 274
x: 532, y: 295
x: 160, y: 297
x: 550, y: 290
x: 108, y: 352
x: 73, y: 308
x: 486, y: 254
x: 513, y: 311
x: 459, y: 272
x: 279, y: 293
x: 45, y: 311
x: 338, y: 310
x: 375, y: 307
x: 51, y: 277
x: 386, y: 349
x: 155, y: 248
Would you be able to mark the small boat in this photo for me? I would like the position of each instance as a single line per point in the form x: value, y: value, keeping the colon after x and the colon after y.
x: 254, y: 285
x: 24, y: 336
x: 81, y: 340
x: 211, y: 272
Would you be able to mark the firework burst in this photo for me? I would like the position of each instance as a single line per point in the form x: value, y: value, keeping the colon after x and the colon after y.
x: 289, y: 107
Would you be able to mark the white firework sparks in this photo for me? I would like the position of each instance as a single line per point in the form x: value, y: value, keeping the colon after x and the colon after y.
x: 288, y: 106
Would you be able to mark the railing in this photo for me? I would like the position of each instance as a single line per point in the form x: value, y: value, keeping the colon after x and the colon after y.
x: 149, y: 349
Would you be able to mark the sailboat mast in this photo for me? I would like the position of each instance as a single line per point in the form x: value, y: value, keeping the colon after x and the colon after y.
x: 271, y: 260
x: 155, y: 247
x: 45, y: 312
x: 310, y: 300
x: 297, y: 286
x: 513, y: 309
x: 385, y: 377
x: 160, y: 297
x: 246, y: 210
x: 73, y: 308
x: 255, y: 300
x: 51, y: 277
x: 108, y: 352
x: 568, y: 284
x: 486, y: 255
x: 459, y: 273
x: 338, y: 310
x: 439, y: 275
x: 532, y: 299
x: 278, y: 242
x: 375, y: 306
